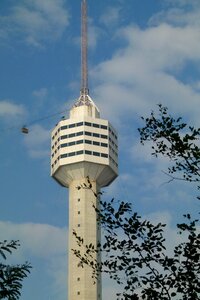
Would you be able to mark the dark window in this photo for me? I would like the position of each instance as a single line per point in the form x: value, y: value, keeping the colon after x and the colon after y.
x: 88, y: 133
x: 88, y: 152
x: 96, y: 125
x: 78, y: 279
x: 96, y: 153
x: 71, y: 143
x: 79, y: 212
x: 79, y: 225
x: 104, y: 155
x: 104, y: 127
x: 64, y: 137
x: 79, y: 152
x: 96, y: 143
x: 88, y: 142
x: 79, y: 124
x: 104, y: 145
x: 79, y: 133
x: 64, y: 127
x: 88, y: 124
x: 71, y: 154
x: 71, y: 135
x: 96, y: 134
x: 79, y: 142
x: 79, y: 199
x: 64, y: 155
x: 64, y: 145
x: 78, y: 293
x: 104, y: 136
x: 72, y: 125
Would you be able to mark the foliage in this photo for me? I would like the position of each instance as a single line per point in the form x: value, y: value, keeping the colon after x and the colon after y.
x: 175, y: 140
x: 134, y: 250
x: 134, y: 255
x: 11, y: 276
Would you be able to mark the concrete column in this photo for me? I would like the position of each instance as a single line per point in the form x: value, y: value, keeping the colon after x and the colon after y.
x: 82, y: 219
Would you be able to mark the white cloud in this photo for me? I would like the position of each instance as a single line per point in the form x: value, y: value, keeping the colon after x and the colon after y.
x: 58, y: 270
x: 38, y: 136
x: 161, y: 48
x: 182, y: 3
x: 45, y: 246
x: 179, y: 13
x: 38, y: 141
x: 148, y: 71
x: 36, y: 21
x: 196, y: 85
x: 10, y: 109
x: 40, y: 93
x: 94, y: 33
x: 12, y: 115
x: 110, y: 16
x: 177, y: 16
x: 41, y: 240
x: 40, y: 96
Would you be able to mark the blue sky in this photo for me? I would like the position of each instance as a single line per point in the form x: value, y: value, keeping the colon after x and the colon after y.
x: 141, y: 52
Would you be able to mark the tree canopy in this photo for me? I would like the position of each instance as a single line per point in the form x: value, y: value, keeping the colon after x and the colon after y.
x: 174, y: 139
x: 11, y: 276
x: 134, y: 250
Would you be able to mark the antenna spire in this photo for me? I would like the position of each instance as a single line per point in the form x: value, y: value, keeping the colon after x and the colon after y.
x: 84, y: 44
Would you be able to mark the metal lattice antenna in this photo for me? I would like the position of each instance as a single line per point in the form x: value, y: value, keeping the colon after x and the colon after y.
x: 84, y: 67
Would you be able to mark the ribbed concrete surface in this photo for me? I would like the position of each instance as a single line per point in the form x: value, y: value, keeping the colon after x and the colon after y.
x: 82, y: 218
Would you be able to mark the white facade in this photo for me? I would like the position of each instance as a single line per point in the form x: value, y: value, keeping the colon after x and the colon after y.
x: 83, y: 146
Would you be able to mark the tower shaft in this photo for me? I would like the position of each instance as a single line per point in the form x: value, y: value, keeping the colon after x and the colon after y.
x: 82, y: 219
x: 84, y: 42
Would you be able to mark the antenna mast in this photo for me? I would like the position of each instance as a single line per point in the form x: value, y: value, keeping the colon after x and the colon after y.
x: 84, y: 42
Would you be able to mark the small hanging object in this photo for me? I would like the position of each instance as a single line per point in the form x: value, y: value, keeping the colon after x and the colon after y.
x: 24, y: 129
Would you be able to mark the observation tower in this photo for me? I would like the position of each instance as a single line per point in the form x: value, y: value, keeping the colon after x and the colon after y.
x: 83, y: 146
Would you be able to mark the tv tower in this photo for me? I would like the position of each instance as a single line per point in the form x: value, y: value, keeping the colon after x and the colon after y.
x: 83, y: 146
